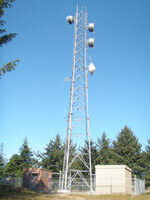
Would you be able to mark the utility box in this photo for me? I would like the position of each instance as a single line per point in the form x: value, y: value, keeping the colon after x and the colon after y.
x: 112, y: 179
x: 37, y: 179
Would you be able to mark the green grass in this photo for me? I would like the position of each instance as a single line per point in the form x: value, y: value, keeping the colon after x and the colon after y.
x: 24, y: 194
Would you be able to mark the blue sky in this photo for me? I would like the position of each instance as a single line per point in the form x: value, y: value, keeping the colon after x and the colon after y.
x: 34, y: 98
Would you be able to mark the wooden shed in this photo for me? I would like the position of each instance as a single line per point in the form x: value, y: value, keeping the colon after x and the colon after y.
x: 37, y: 179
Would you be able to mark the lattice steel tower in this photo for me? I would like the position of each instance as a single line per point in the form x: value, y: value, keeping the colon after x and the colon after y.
x: 78, y: 117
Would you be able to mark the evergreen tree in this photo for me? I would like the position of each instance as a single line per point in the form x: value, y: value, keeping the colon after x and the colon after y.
x: 128, y: 151
x: 1, y: 160
x: 36, y: 162
x: 72, y: 151
x: 13, y: 167
x: 94, y: 155
x: 26, y: 155
x: 52, y: 158
x: 147, y: 164
x: 17, y: 162
x: 105, y: 151
x: 5, y: 38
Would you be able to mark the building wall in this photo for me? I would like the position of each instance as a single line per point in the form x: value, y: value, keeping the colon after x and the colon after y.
x: 46, y: 180
x: 128, y: 176
x: 37, y: 179
x: 113, y: 179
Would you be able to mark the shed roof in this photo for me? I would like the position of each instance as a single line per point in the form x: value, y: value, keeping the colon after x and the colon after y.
x: 113, y: 167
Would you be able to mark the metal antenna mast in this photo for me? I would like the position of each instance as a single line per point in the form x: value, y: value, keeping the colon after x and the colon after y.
x: 78, y: 117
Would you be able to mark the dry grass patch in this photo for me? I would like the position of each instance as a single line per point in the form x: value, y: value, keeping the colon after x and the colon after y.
x: 106, y: 197
x: 24, y: 194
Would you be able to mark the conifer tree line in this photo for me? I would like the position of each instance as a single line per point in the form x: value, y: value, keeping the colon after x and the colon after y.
x: 124, y: 150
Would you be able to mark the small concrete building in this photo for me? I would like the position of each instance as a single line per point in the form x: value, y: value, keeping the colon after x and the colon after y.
x: 112, y: 179
x: 37, y: 179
